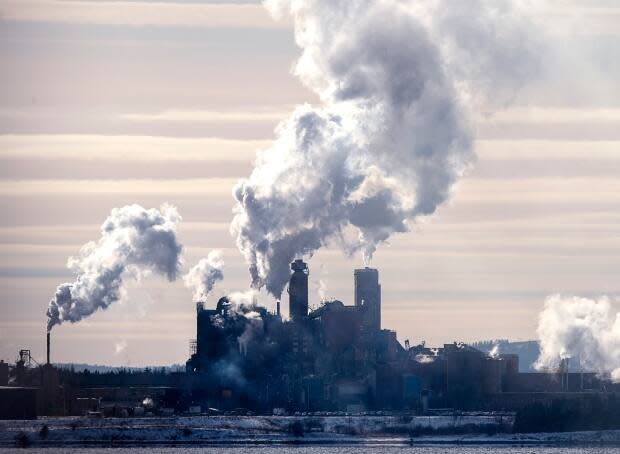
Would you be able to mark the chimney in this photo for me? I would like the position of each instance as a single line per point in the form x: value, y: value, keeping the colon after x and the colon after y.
x: 368, y: 296
x: 278, y: 308
x: 298, y: 291
x: 48, y: 347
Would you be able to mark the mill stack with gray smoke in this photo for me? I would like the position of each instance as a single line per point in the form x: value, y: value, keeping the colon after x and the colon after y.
x: 48, y: 347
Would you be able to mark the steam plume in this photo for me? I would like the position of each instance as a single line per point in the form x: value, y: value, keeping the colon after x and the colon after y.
x: 134, y: 241
x: 205, y: 274
x: 120, y: 347
x: 253, y: 329
x: 392, y: 135
x: 588, y: 329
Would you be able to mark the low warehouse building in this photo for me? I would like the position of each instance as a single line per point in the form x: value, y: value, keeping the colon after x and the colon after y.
x: 18, y: 403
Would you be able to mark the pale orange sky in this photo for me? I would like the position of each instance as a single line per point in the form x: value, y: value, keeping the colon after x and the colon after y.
x: 108, y: 103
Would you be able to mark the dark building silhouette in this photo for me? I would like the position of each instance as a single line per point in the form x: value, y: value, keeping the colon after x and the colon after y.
x: 335, y: 357
x: 4, y: 373
x: 298, y: 291
x: 325, y: 358
x: 18, y: 403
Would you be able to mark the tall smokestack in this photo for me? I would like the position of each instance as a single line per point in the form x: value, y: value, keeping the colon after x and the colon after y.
x: 48, y: 347
x: 368, y: 296
x: 298, y: 290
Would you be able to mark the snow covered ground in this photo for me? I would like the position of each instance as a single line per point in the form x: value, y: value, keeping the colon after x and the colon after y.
x: 203, y: 430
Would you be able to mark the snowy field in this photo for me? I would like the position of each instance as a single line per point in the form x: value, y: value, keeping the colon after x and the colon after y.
x: 275, y: 430
x: 357, y: 449
x: 340, y: 449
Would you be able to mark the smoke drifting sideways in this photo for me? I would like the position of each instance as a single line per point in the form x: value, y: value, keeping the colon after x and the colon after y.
x: 203, y: 276
x: 134, y: 242
x: 587, y: 330
x: 392, y: 135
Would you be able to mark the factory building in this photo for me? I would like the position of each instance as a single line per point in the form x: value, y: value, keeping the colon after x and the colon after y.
x: 18, y: 402
x: 337, y: 357
x: 321, y: 359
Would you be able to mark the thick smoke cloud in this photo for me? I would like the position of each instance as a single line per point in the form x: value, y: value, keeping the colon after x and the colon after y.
x: 241, y: 320
x: 253, y: 329
x: 243, y: 316
x: 205, y: 274
x: 582, y: 329
x: 391, y: 137
x: 134, y: 241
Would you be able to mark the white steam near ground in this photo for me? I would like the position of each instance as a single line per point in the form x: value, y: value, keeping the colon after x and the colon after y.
x: 392, y: 135
x: 583, y: 329
x: 134, y: 242
x: 205, y: 274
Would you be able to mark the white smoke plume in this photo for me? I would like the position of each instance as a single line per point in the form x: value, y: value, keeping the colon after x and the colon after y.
x: 253, y: 329
x: 205, y: 274
x: 321, y: 283
x: 424, y: 359
x: 392, y: 134
x: 243, y: 300
x: 134, y: 241
x: 322, y: 290
x: 583, y: 329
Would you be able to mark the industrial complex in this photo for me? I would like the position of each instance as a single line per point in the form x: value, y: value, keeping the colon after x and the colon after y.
x: 335, y: 358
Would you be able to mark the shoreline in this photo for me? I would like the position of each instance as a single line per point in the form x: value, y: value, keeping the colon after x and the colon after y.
x: 271, y: 431
x: 362, y: 442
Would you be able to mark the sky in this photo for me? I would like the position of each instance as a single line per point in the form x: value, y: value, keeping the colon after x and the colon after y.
x: 106, y: 103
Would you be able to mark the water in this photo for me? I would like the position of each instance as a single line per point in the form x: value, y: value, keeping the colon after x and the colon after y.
x: 330, y: 450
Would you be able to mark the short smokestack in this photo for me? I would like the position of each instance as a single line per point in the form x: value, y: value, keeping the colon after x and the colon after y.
x: 48, y: 347
x: 278, y: 308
